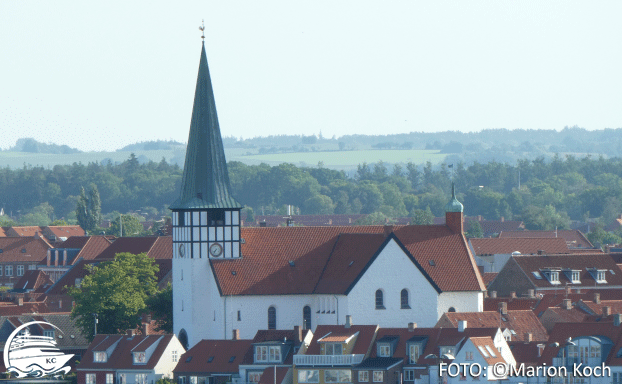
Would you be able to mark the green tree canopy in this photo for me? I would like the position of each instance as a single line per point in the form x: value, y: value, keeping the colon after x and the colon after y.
x: 130, y: 224
x: 161, y: 307
x: 117, y: 292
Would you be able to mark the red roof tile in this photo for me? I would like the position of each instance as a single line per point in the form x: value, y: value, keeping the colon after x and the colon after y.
x: 26, y: 249
x: 220, y: 352
x: 574, y: 238
x: 155, y: 247
x: 488, y: 277
x: 525, y: 353
x: 518, y: 303
x: 122, y: 357
x: 523, y: 245
x: 265, y: 267
x: 483, y: 342
x: 26, y: 231
x: 521, y: 322
x: 64, y: 231
x: 34, y: 280
x: 268, y: 375
x: 561, y: 332
x: 28, y: 307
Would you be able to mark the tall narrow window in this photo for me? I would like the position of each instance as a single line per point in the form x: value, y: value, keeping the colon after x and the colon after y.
x: 183, y: 338
x: 379, y: 299
x: 271, y: 318
x: 306, y: 317
x: 404, y: 299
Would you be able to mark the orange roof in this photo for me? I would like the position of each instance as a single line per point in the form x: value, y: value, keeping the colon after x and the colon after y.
x: 298, y: 260
x: 156, y: 247
x: 24, y: 231
x: 492, y: 304
x: 486, y: 343
x: 35, y: 280
x: 3, y: 231
x: 523, y: 245
x: 65, y: 231
x: 521, y: 322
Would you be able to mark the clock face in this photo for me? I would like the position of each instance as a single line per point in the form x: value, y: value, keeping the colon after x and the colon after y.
x: 182, y: 250
x: 215, y: 249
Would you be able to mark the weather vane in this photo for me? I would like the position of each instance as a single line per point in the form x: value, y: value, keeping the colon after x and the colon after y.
x: 202, y: 29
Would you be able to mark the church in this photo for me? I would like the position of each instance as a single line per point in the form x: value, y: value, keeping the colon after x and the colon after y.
x: 228, y: 278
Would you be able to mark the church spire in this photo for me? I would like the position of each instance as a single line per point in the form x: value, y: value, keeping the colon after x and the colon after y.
x: 205, y: 181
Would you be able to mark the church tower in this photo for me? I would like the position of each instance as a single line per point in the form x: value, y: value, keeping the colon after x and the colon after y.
x: 206, y: 219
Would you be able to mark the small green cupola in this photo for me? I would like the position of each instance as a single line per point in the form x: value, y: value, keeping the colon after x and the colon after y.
x: 454, y: 205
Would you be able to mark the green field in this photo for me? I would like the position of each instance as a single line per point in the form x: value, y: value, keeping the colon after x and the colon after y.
x: 342, y: 160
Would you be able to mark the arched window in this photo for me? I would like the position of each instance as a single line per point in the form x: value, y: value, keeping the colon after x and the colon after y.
x: 451, y: 309
x: 379, y: 299
x: 306, y: 317
x: 404, y: 299
x: 271, y: 318
x: 183, y: 338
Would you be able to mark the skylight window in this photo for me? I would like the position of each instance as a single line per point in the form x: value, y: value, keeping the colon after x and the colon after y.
x: 537, y: 275
x: 483, y: 351
x: 211, y: 358
x: 492, y: 353
x: 432, y: 263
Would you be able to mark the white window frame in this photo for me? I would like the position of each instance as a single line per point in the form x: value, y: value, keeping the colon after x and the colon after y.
x: 384, y: 350
x: 415, y: 350
x: 141, y: 378
x: 341, y: 375
x: 20, y: 270
x: 409, y: 375
x: 90, y: 378
x: 48, y: 333
x: 174, y: 356
x: 253, y: 375
x: 181, y: 380
x: 8, y: 270
x: 363, y: 376
x: 109, y: 378
x: 378, y: 376
x: 100, y: 357
x: 140, y: 358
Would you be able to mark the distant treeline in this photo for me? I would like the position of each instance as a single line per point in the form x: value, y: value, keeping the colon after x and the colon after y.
x: 551, y: 193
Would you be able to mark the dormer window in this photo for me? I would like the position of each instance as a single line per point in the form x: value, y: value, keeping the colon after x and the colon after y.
x: 599, y: 275
x: 100, y: 357
x: 384, y: 350
x: 414, y: 351
x: 552, y: 275
x: 576, y: 277
x: 333, y: 349
x: 264, y: 353
x: 48, y: 333
x: 140, y: 358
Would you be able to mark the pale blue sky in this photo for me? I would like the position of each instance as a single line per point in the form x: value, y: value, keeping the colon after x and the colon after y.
x: 100, y: 75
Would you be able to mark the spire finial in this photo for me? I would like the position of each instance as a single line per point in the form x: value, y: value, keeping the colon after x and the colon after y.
x: 202, y: 29
x: 453, y: 190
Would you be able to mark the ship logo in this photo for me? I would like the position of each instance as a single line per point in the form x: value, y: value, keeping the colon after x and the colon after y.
x: 27, y: 355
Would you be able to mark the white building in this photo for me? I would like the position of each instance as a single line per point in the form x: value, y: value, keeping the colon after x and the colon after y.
x: 226, y: 277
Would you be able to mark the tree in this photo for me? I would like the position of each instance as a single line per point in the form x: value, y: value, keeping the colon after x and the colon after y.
x: 130, y: 225
x: 161, y: 307
x: 422, y: 217
x: 375, y: 218
x: 319, y: 205
x: 116, y: 291
x: 58, y: 222
x: 474, y: 229
x: 88, y: 209
x: 81, y: 210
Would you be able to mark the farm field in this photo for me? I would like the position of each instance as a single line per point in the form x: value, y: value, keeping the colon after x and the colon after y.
x: 341, y: 160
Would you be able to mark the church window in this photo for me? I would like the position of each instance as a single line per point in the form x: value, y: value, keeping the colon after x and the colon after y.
x: 404, y: 299
x: 306, y: 317
x: 271, y: 318
x: 380, y: 299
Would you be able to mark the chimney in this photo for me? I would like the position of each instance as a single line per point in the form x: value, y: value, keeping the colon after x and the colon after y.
x: 262, y: 224
x: 503, y: 308
x: 528, y: 337
x: 290, y: 222
x: 330, y: 221
x: 512, y: 294
x: 36, y: 234
x: 64, y: 257
x: 56, y: 258
x: 567, y: 304
x: 411, y: 327
x: 298, y: 332
x: 531, y: 293
x: 596, y: 298
x: 607, y: 311
x: 485, y: 294
x: 49, y: 257
x: 20, y: 300
x: 145, y: 329
x: 130, y: 332
x: 493, y: 294
x: 348, y: 321
x: 568, y: 290
x: 502, y: 219
x: 540, y: 349
x: 540, y: 252
x: 617, y: 319
x: 236, y: 334
x: 462, y: 325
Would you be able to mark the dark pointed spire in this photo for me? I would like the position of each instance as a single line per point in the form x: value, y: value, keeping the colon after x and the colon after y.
x: 205, y: 181
x: 454, y: 205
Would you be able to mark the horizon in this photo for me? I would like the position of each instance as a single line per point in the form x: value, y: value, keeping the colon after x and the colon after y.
x: 98, y: 77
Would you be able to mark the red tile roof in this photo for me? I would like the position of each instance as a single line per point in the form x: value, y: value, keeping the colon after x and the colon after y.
x: 34, y: 280
x: 525, y: 353
x: 28, y: 307
x: 221, y: 352
x: 305, y: 220
x: 267, y: 377
x: 274, y: 335
x: 597, y: 309
x: 155, y: 247
x: 554, y: 299
x: 488, y: 277
x: 64, y: 231
x: 74, y: 242
x: 3, y: 231
x: 26, y: 231
x: 267, y: 252
x: 523, y: 245
x: 25, y: 249
x: 518, y: 303
x: 521, y: 322
x: 122, y: 357
x: 483, y: 342
x: 364, y: 339
x: 573, y: 237
x: 580, y: 262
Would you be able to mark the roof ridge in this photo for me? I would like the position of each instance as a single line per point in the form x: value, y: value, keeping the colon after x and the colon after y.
x: 330, y: 255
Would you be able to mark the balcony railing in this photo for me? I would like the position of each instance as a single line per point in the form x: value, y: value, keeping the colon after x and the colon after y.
x: 328, y: 359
